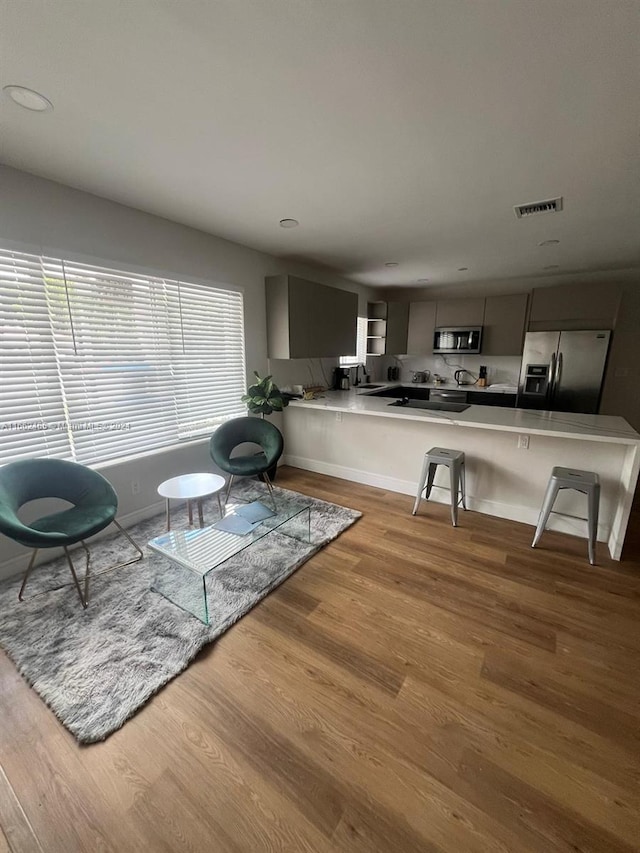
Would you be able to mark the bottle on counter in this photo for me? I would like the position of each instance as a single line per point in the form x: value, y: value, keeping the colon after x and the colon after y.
x: 482, y: 378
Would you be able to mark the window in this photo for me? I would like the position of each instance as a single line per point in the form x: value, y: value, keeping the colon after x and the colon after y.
x: 361, y: 346
x: 97, y: 364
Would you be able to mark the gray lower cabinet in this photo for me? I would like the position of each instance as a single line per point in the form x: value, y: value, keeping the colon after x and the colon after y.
x: 422, y: 322
x: 487, y: 398
x: 476, y: 398
x: 503, y: 325
x: 306, y: 319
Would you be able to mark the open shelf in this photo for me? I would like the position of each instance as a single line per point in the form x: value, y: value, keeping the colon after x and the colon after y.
x: 376, y: 328
x: 375, y: 345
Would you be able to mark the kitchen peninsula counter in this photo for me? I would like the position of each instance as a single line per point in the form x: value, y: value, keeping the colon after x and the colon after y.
x: 561, y: 424
x: 359, y: 437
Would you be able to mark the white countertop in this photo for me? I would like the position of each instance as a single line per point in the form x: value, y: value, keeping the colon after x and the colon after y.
x: 607, y: 428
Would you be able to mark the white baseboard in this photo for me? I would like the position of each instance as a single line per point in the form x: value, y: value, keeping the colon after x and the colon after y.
x: 355, y: 475
x: 17, y: 565
x: 512, y: 512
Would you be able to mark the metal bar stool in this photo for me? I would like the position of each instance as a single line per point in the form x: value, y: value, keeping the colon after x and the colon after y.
x: 582, y: 481
x: 454, y: 460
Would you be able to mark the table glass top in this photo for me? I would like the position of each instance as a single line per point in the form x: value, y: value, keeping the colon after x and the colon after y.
x: 203, y: 549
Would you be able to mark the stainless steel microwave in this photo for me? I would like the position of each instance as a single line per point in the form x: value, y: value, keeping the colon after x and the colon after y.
x: 457, y: 339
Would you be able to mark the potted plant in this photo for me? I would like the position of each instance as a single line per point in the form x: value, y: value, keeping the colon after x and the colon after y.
x: 264, y: 397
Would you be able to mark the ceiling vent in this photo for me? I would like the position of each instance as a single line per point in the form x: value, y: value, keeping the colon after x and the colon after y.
x: 551, y: 205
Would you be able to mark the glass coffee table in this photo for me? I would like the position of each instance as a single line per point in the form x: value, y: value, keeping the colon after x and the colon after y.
x: 194, y: 554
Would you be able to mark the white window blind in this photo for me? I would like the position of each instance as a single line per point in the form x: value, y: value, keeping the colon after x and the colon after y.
x: 136, y: 362
x: 361, y: 346
x: 30, y: 399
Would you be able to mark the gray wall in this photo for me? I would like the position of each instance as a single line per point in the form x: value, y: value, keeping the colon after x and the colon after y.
x: 40, y: 215
x: 621, y: 392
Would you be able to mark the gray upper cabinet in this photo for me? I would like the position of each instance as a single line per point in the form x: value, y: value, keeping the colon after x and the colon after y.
x: 309, y: 320
x: 504, y: 321
x: 422, y: 322
x: 387, y: 326
x: 397, y: 328
x: 574, y: 306
x: 460, y: 312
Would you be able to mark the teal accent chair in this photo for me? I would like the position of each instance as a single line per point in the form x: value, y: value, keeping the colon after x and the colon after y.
x: 238, y: 431
x: 94, y: 501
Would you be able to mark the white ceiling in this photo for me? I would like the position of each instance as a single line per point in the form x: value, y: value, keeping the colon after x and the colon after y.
x: 393, y: 130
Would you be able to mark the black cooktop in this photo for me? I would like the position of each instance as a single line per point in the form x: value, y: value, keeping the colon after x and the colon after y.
x: 433, y: 405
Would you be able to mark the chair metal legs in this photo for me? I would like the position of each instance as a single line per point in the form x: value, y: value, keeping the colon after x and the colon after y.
x: 550, y: 495
x: 427, y: 476
x: 132, y: 542
x: 266, y: 480
x: 84, y: 595
x: 228, y: 492
x: 27, y: 573
x: 271, y: 492
x: 84, y: 598
x: 594, y: 506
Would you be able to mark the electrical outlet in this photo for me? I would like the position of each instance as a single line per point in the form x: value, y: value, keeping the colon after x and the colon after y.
x: 135, y: 487
x: 523, y: 442
x: 339, y: 417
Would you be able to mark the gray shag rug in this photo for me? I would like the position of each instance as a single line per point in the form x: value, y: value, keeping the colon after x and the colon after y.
x: 96, y: 667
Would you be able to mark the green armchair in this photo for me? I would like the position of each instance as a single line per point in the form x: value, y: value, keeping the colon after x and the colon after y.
x: 238, y: 431
x: 94, y: 506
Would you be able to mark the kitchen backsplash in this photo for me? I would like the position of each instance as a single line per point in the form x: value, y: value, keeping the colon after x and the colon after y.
x: 302, y: 371
x: 503, y: 370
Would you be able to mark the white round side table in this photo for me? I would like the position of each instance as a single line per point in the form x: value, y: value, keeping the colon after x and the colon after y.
x: 191, y: 487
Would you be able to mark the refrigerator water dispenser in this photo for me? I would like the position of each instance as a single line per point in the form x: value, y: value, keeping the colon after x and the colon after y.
x: 536, y: 379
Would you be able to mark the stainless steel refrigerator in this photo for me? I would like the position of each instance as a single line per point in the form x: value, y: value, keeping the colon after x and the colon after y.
x: 563, y: 371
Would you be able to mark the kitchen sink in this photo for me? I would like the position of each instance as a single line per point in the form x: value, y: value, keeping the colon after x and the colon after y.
x: 432, y: 405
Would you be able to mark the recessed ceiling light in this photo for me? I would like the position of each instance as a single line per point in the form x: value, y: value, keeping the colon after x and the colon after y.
x: 423, y: 280
x: 28, y: 99
x: 289, y: 223
x: 552, y: 267
x: 462, y: 269
x: 548, y: 243
x: 392, y: 264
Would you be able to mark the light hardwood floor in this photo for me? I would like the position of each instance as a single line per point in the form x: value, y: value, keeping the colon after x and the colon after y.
x: 413, y: 687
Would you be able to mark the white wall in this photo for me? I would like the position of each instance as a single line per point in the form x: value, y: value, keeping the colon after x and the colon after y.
x: 41, y: 215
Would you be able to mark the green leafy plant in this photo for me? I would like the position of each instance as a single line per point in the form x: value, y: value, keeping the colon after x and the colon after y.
x: 264, y: 397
